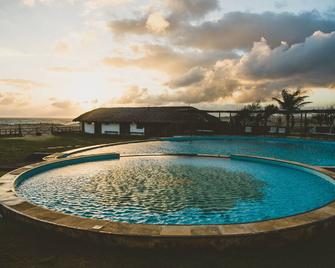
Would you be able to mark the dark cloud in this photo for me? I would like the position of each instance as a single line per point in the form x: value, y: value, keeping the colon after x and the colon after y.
x: 238, y: 30
x: 191, y: 77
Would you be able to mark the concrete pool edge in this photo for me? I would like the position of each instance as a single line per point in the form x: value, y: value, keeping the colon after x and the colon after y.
x: 218, y: 236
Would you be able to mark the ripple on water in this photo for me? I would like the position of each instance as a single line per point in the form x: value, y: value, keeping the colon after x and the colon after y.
x: 178, y: 190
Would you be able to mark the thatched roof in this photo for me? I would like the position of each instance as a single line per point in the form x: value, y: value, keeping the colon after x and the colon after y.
x: 165, y: 114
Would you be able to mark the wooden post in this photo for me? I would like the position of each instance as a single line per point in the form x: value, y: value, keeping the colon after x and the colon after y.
x: 20, y: 130
x: 301, y: 125
x: 305, y: 123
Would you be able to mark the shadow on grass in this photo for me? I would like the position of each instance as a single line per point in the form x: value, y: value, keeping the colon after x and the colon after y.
x: 21, y: 246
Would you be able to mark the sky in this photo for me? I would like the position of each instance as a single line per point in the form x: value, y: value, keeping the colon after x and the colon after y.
x: 60, y: 58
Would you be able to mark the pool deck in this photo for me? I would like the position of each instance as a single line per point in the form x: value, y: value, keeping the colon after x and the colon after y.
x: 216, y: 237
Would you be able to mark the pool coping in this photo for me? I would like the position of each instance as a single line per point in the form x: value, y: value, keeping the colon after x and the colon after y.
x: 150, y: 235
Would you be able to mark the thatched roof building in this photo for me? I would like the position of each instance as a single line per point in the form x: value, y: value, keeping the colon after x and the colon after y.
x: 150, y: 121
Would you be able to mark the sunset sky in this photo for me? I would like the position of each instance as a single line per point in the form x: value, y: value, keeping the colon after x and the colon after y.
x: 59, y: 58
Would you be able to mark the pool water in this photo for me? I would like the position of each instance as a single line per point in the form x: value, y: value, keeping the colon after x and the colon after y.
x: 178, y: 190
x: 321, y: 153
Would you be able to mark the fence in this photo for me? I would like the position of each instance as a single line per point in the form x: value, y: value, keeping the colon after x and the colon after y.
x: 37, y: 130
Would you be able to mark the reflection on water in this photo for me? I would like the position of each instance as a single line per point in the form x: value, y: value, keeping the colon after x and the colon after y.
x: 159, y: 186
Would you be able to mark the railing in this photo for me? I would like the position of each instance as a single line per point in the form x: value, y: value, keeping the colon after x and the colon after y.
x: 37, y: 130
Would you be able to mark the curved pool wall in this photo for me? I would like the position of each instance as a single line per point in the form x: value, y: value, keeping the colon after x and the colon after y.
x: 217, y: 237
x: 308, y: 151
x: 177, y: 189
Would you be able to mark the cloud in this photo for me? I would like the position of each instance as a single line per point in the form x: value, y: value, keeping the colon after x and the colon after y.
x: 235, y: 30
x: 129, y: 26
x: 260, y: 74
x: 63, y: 69
x: 191, y: 77
x: 238, y: 30
x: 168, y: 16
x: 168, y: 60
x: 311, y: 63
x: 157, y: 23
x: 63, y: 105
x: 10, y: 99
x: 193, y: 9
x: 93, y: 4
x: 22, y: 84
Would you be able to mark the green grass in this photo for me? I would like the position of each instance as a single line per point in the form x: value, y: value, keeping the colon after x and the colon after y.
x: 13, y: 151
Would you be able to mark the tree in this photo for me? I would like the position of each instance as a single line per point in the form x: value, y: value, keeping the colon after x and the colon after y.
x: 291, y: 102
x: 269, y: 110
x: 330, y: 118
x: 246, y: 116
x: 320, y: 118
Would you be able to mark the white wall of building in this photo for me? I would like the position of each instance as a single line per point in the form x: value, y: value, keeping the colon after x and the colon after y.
x: 89, y: 128
x: 110, y: 129
x: 135, y: 130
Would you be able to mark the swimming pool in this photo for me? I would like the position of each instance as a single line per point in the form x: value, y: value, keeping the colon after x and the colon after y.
x: 312, y: 152
x: 178, y: 189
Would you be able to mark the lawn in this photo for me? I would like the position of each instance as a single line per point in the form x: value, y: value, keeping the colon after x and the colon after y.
x: 15, y: 150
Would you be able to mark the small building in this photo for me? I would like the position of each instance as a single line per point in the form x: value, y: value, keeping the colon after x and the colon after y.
x: 147, y: 121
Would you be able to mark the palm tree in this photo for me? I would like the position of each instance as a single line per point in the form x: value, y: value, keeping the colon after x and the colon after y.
x: 269, y: 110
x: 291, y: 102
x: 246, y: 116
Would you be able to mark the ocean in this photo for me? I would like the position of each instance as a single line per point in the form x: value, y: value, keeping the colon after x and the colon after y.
x: 31, y: 121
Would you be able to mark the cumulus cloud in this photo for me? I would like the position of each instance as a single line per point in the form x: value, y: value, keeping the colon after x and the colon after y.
x: 311, y: 62
x: 259, y: 74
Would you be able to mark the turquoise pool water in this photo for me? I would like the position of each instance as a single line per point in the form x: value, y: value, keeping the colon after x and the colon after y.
x: 311, y: 152
x: 178, y: 190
